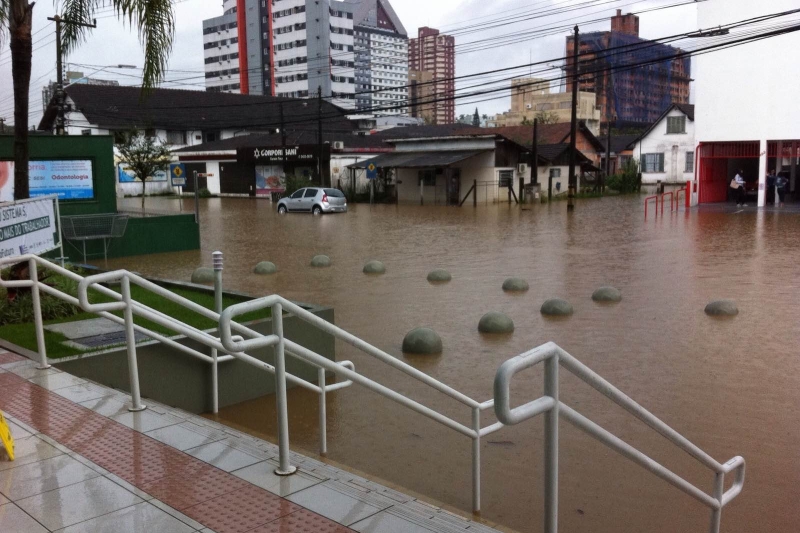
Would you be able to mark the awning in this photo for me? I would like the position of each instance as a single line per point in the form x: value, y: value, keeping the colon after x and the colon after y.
x: 419, y: 159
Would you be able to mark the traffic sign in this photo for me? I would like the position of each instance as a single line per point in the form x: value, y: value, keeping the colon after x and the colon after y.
x: 177, y: 172
x: 372, y: 171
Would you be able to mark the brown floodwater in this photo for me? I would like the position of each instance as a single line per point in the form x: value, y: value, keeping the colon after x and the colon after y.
x: 731, y: 386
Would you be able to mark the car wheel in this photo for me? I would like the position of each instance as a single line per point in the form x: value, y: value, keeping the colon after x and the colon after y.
x: 317, y: 210
x: 282, y: 209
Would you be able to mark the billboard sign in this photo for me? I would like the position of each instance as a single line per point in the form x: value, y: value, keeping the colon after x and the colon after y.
x: 71, y: 179
x: 126, y: 175
x: 275, y: 155
x: 269, y: 179
x: 28, y: 227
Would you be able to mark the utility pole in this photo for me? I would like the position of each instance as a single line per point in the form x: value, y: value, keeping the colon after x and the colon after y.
x: 535, y: 153
x: 319, y: 136
x: 608, y: 160
x: 2, y: 125
x: 60, y: 100
x: 283, y: 140
x: 573, y: 179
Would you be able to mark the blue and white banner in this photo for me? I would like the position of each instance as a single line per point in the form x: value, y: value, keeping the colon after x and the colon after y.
x: 71, y: 179
x: 126, y: 175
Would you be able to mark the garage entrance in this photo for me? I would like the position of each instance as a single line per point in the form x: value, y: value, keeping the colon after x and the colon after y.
x: 718, y: 164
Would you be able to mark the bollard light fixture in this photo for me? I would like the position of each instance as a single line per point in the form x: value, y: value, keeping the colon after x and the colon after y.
x: 216, y: 260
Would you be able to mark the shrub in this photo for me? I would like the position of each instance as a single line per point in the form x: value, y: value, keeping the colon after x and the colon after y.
x: 18, y: 308
x: 204, y: 193
x: 626, y: 180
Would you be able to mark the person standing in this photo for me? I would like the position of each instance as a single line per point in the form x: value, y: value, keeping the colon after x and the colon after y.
x: 737, y: 184
x: 781, y: 184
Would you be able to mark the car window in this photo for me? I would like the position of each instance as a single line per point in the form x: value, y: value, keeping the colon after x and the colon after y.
x: 298, y: 194
x: 334, y: 193
x: 310, y: 193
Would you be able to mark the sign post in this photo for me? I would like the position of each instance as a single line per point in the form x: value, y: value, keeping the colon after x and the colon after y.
x: 197, y: 195
x: 372, y: 175
x: 177, y: 172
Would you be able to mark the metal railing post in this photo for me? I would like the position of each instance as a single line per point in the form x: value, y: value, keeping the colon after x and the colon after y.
x: 284, y: 469
x: 476, y: 460
x: 33, y: 274
x: 217, y: 263
x: 323, y: 421
x: 551, y: 447
x: 130, y: 338
x: 716, y: 514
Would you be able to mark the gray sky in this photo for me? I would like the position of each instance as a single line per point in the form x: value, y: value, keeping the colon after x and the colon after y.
x: 113, y: 43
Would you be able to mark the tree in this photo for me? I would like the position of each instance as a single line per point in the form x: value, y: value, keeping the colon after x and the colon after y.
x: 476, y: 118
x: 155, y: 20
x: 144, y: 156
x: 546, y: 117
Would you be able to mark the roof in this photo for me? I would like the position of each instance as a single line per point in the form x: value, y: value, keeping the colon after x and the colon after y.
x: 303, y: 137
x: 552, y: 152
x: 419, y: 159
x: 547, y: 134
x: 117, y: 107
x: 686, y: 109
x: 620, y: 143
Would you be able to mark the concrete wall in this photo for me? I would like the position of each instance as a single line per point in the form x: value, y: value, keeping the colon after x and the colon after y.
x: 183, y: 381
x: 729, y: 82
x: 673, y: 146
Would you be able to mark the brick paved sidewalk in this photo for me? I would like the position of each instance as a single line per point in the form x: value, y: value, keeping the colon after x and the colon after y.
x: 86, y: 464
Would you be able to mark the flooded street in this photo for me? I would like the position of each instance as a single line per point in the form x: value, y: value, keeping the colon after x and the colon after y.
x: 730, y: 386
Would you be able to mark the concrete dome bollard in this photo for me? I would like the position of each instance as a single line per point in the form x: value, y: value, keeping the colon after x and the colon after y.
x: 439, y: 275
x: 607, y: 294
x: 494, y: 322
x: 374, y: 267
x: 515, y: 285
x: 203, y: 275
x: 265, y: 268
x: 722, y: 308
x: 321, y: 261
x: 556, y: 307
x: 422, y: 341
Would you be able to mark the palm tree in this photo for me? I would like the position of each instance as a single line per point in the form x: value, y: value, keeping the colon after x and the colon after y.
x: 155, y: 20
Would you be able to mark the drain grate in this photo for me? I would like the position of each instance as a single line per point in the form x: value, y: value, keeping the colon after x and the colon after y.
x: 108, y: 339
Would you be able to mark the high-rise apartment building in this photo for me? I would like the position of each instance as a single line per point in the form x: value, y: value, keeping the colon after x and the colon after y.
x: 289, y: 48
x: 381, y: 57
x: 627, y: 94
x: 435, y: 54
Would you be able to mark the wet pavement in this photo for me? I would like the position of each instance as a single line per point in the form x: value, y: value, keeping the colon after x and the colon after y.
x: 730, y: 386
x: 85, y: 464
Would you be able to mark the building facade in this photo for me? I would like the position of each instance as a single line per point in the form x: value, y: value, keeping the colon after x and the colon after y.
x: 72, y: 77
x: 532, y: 98
x: 435, y: 54
x: 665, y: 151
x: 730, y: 136
x: 629, y: 96
x: 381, y: 59
x: 290, y: 48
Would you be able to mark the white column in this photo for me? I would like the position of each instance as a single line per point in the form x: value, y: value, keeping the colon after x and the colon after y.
x: 762, y: 174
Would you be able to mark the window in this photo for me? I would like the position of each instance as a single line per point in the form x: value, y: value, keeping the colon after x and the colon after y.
x: 310, y: 193
x: 176, y: 137
x: 334, y: 193
x: 676, y: 125
x: 86, y: 132
x: 689, y: 162
x: 555, y: 172
x: 298, y: 194
x: 653, y: 163
x: 427, y: 178
x: 506, y: 178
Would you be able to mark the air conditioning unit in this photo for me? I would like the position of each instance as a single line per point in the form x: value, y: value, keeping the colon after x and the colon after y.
x: 338, y: 145
x: 522, y: 168
x: 528, y: 106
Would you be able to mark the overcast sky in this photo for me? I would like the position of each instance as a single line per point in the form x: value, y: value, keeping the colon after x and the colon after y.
x: 113, y: 43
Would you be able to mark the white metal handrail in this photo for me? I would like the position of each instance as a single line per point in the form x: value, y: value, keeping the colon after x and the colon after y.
x: 234, y: 346
x: 553, y: 408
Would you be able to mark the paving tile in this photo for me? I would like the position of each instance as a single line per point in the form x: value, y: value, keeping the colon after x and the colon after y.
x: 28, y: 372
x: 8, y: 357
x: 57, y: 381
x: 3, y: 500
x: 194, y: 524
x: 196, y: 483
x: 384, y: 522
x: 330, y: 503
x: 302, y: 521
x: 36, y: 478
x: 29, y: 450
x: 127, y: 486
x: 181, y: 437
x: 77, y: 503
x: 142, y: 517
x: 13, y: 519
x: 241, y: 511
x: 144, y: 421
x: 18, y: 431
x: 83, y: 392
x: 223, y: 456
x: 263, y: 475
x: 18, y: 363
x: 106, y: 406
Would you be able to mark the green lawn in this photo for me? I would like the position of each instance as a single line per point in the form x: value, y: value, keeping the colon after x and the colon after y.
x: 25, y: 334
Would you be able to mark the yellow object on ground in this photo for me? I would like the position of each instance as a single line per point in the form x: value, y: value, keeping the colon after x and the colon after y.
x: 5, y: 437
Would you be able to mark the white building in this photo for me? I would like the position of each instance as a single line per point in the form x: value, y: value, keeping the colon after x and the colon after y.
x: 748, y: 115
x: 666, y: 149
